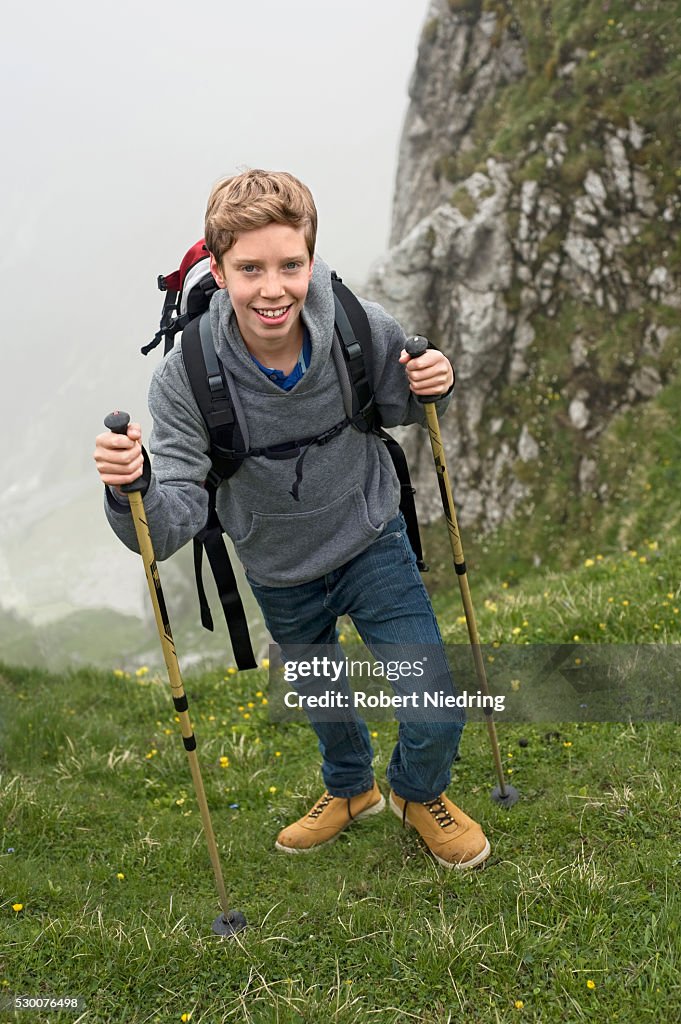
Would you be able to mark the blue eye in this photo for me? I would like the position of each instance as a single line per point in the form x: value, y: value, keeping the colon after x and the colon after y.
x: 248, y: 268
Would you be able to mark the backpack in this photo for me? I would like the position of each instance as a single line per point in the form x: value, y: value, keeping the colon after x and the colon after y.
x: 188, y: 293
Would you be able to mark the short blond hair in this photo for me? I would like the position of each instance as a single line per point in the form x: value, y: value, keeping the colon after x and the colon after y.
x: 254, y: 199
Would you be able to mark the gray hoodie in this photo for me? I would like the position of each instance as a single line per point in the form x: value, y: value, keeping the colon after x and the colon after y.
x: 349, y: 489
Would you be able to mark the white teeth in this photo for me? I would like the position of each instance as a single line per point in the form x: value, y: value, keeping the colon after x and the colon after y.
x: 272, y: 313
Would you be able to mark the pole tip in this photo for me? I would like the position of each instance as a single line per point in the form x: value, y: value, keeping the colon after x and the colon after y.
x: 228, y: 926
x: 510, y: 796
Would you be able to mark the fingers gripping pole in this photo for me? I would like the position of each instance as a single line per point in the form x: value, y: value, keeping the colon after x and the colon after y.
x: 230, y: 921
x: 505, y: 794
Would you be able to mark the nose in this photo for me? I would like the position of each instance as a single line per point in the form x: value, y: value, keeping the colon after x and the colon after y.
x: 272, y: 286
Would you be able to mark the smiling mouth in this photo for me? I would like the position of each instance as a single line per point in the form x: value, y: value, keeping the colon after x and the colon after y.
x: 273, y: 314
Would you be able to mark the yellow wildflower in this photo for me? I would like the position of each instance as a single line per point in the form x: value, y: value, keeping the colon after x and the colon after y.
x: 120, y: 876
x: 590, y: 983
x: 142, y: 671
x: 16, y: 907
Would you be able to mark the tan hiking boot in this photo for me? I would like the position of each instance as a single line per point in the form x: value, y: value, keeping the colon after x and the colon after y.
x: 327, y: 819
x: 454, y: 839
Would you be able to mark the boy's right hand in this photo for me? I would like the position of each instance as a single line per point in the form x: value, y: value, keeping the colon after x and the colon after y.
x: 119, y: 457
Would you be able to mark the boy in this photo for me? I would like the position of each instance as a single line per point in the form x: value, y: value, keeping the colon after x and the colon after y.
x: 323, y: 539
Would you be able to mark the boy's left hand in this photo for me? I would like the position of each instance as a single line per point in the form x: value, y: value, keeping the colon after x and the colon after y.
x: 429, y: 374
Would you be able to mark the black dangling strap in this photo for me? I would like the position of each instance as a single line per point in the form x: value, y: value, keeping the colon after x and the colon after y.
x: 299, y: 473
x: 407, y: 503
x: 169, y: 307
x: 225, y: 580
x: 206, y: 617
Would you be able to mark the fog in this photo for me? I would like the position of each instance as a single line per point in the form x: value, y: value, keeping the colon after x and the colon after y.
x: 118, y: 118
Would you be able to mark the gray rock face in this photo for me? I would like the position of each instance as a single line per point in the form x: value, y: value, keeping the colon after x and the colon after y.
x: 463, y: 247
x: 459, y: 65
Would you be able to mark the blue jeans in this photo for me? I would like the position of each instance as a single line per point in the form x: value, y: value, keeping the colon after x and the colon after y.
x: 382, y: 592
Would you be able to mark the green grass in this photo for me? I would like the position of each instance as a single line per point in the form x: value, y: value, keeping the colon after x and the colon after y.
x: 581, y: 886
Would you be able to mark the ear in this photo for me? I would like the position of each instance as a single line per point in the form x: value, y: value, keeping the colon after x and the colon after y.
x: 216, y: 271
x: 309, y: 274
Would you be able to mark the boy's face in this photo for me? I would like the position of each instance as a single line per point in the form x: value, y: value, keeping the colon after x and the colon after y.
x: 266, y: 274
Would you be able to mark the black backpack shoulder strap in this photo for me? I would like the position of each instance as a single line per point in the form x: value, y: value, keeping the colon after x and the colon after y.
x: 354, y: 331
x: 207, y: 380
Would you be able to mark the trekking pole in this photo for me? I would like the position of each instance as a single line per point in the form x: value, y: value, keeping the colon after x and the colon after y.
x: 229, y: 922
x: 503, y: 793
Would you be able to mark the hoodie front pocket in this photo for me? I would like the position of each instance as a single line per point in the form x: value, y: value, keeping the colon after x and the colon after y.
x: 286, y: 549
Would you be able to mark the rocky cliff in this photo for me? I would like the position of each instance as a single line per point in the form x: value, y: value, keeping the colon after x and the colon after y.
x: 535, y: 240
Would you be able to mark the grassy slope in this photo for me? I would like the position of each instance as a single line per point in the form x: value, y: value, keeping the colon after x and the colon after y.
x: 94, y: 782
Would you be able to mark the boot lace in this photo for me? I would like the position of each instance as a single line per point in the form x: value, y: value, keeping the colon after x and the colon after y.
x: 440, y: 812
x: 320, y: 805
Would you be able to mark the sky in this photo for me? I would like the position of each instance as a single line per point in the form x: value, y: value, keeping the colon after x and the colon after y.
x: 124, y: 114
x: 120, y: 118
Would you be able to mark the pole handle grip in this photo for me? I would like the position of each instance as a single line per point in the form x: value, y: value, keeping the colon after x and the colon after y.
x: 117, y: 422
x: 414, y: 347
